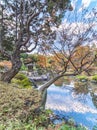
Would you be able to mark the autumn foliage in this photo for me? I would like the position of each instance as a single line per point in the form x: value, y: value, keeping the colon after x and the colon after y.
x: 5, y: 64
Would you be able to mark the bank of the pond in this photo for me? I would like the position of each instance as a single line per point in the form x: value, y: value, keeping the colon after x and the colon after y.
x: 18, y: 110
x: 84, y: 78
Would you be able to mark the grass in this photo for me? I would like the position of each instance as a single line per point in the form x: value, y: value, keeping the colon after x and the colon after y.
x: 18, y: 110
x: 17, y: 103
x: 23, y: 126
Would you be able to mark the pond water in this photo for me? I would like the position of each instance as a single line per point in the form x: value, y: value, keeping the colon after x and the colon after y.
x: 74, y: 100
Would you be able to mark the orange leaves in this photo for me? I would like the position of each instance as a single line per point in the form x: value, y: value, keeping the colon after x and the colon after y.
x: 81, y: 51
x: 6, y: 64
x: 82, y: 56
x: 42, y: 61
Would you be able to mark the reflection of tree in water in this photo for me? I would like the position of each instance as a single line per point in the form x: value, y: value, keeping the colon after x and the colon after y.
x: 94, y: 99
x: 94, y: 93
x: 61, y: 81
x: 81, y: 90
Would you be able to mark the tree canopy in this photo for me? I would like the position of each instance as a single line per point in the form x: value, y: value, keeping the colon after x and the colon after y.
x: 25, y: 25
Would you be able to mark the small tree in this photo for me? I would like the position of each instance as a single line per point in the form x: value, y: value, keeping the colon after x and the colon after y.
x: 73, y: 50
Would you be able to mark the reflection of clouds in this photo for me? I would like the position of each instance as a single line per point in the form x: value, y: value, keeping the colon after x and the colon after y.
x: 67, y: 103
x: 86, y: 3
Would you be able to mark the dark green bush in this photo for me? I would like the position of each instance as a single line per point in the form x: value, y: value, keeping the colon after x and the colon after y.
x: 22, y: 81
x: 20, y: 76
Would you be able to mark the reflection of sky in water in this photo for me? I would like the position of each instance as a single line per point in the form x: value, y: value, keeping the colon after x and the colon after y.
x: 65, y: 102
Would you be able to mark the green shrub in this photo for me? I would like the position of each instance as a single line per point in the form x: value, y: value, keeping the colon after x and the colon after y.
x: 82, y: 77
x: 26, y: 83
x: 20, y: 76
x: 23, y: 67
x: 94, y: 77
x: 22, y: 81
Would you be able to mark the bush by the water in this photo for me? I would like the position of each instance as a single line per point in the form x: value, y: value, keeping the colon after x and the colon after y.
x: 22, y: 81
x: 82, y: 77
x: 94, y: 78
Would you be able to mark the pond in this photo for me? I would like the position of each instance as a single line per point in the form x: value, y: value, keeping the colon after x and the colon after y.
x: 74, y: 100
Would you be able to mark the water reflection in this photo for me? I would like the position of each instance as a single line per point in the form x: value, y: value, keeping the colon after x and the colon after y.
x: 94, y: 99
x: 81, y: 87
x: 75, y: 100
x: 61, y: 81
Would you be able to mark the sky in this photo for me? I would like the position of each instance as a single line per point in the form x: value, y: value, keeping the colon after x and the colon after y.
x: 80, y: 7
x: 88, y: 4
x: 79, y: 20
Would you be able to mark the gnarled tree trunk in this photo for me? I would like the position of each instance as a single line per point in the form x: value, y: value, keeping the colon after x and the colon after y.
x: 16, y: 65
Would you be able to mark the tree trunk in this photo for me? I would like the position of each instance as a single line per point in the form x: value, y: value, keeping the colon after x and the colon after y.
x: 43, y: 99
x: 46, y: 85
x: 16, y: 65
x: 43, y: 90
x: 51, y: 81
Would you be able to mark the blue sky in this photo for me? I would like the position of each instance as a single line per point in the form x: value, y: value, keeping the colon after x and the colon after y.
x: 79, y: 20
x: 88, y: 4
x: 80, y: 7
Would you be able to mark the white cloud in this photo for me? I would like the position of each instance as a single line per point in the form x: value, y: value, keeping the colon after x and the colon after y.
x: 86, y: 3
